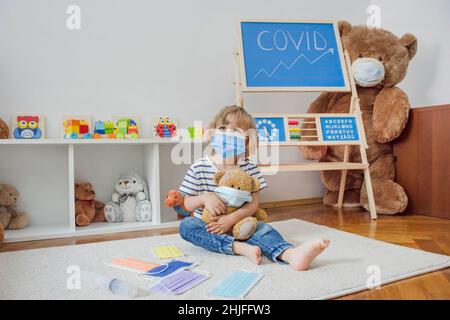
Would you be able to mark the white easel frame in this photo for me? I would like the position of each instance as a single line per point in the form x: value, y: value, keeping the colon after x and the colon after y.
x: 354, y: 110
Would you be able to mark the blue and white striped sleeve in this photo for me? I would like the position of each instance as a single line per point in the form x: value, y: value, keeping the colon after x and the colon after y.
x: 254, y: 171
x: 190, y: 184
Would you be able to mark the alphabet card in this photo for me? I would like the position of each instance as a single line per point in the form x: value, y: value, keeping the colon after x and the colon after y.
x: 76, y: 127
x: 28, y: 126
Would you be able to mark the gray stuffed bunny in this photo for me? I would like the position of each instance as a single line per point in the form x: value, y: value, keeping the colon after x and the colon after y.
x: 130, y: 200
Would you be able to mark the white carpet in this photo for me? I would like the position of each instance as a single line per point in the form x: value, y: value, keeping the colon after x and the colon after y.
x: 340, y: 270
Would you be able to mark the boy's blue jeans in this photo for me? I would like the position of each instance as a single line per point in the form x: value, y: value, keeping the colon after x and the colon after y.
x: 267, y: 238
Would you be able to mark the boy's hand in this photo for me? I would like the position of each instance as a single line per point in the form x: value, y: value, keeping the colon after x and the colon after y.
x: 214, y: 204
x: 220, y: 225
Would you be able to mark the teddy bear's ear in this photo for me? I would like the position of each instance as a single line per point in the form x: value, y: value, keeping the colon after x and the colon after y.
x: 256, y: 184
x: 344, y: 27
x: 409, y: 41
x: 217, y: 176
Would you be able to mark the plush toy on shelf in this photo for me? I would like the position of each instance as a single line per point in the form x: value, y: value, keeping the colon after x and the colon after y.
x: 379, y: 61
x: 87, y: 209
x: 130, y: 201
x: 236, y: 186
x: 10, y: 219
x: 4, y: 130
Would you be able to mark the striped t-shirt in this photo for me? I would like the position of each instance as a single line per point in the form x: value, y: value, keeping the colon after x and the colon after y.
x: 200, y: 178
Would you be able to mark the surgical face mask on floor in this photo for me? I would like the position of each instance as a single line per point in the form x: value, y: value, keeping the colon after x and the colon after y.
x: 368, y: 72
x: 228, y: 144
x: 233, y: 197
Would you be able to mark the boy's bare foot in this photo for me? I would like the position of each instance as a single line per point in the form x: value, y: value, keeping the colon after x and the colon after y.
x: 253, y: 253
x: 301, y: 257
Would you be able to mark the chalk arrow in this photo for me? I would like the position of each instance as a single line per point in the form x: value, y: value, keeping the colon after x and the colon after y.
x: 289, y: 67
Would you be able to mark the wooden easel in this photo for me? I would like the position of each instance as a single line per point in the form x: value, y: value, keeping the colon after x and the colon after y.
x: 345, y: 165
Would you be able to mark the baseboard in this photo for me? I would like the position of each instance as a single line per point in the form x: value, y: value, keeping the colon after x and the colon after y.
x: 290, y: 203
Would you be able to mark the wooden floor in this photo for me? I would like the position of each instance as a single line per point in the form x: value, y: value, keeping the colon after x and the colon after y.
x: 421, y: 232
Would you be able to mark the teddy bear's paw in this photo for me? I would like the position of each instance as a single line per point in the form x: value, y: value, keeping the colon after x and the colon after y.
x: 245, y: 228
x: 112, y: 212
x: 144, y: 211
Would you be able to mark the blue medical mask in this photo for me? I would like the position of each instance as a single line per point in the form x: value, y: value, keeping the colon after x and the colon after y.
x: 233, y: 197
x: 368, y: 72
x: 168, y: 268
x: 237, y: 284
x: 228, y: 144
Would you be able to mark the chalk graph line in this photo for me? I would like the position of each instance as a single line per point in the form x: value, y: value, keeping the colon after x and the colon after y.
x: 289, y: 67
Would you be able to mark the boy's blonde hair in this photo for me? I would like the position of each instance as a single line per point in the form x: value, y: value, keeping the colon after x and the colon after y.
x: 244, y: 119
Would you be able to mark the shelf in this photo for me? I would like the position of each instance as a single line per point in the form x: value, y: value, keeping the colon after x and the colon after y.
x: 106, y: 227
x: 320, y: 166
x: 93, y: 141
x: 62, y: 231
x: 37, y: 233
x: 308, y: 143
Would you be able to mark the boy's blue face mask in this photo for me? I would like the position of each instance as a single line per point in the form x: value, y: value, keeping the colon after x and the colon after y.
x: 228, y: 144
x: 233, y: 197
x: 368, y: 72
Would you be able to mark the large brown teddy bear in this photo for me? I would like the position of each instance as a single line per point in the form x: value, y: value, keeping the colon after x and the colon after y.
x: 9, y: 217
x: 87, y: 209
x: 240, y: 180
x: 385, y: 110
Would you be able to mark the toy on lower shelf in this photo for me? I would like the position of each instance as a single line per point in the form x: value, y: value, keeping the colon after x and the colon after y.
x: 175, y: 200
x: 10, y: 219
x: 28, y: 126
x: 130, y: 200
x: 77, y: 128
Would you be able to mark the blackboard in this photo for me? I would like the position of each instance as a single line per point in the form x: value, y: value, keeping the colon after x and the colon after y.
x: 339, y: 128
x: 291, y: 56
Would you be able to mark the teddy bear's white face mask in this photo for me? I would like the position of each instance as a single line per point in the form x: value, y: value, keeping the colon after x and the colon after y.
x: 368, y: 72
x: 233, y: 197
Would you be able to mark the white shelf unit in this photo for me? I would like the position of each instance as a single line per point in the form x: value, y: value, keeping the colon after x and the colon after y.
x: 44, y: 173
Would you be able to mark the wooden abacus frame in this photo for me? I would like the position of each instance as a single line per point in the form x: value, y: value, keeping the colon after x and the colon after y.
x: 345, y: 165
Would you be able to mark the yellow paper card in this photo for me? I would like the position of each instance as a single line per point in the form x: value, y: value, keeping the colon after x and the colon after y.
x: 165, y: 252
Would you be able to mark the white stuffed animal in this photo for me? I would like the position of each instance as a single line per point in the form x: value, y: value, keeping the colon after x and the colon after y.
x: 130, y: 200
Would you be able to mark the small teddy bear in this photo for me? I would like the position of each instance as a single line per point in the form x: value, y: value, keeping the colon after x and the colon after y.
x: 235, y: 186
x: 9, y: 217
x: 130, y: 201
x: 4, y: 130
x: 87, y: 209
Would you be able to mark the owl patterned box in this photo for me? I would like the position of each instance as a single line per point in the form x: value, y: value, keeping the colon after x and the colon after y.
x: 28, y: 126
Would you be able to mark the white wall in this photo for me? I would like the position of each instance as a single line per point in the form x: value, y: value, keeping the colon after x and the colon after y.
x: 153, y: 58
